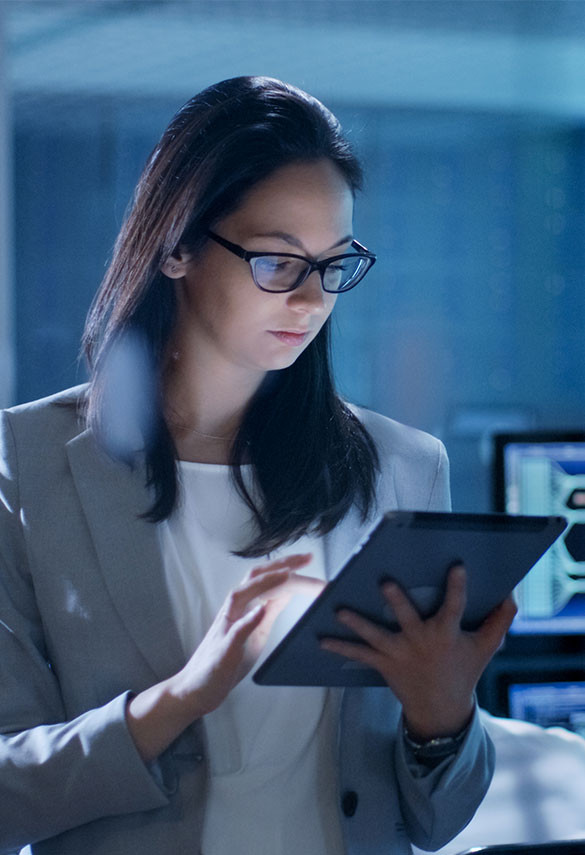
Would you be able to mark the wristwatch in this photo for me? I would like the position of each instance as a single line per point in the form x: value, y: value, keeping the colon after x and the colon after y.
x: 436, y: 748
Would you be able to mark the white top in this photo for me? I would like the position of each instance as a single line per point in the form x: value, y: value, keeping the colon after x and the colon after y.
x: 271, y: 749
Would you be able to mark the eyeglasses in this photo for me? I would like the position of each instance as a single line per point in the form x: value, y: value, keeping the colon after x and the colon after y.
x: 284, y: 271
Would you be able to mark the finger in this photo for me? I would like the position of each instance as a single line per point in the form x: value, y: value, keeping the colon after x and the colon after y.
x: 451, y: 611
x: 239, y: 598
x: 407, y: 616
x: 299, y: 584
x: 278, y: 598
x: 356, y: 652
x: 243, y: 628
x: 376, y: 636
x: 494, y: 628
x: 290, y: 562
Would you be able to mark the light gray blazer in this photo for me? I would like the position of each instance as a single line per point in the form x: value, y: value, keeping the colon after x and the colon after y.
x: 85, y: 618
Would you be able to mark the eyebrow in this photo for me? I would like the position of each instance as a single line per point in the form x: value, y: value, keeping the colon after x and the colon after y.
x: 293, y: 241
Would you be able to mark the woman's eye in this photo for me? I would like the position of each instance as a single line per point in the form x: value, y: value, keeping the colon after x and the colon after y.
x: 273, y: 265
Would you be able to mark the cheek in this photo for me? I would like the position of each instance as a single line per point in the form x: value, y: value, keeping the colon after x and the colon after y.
x: 212, y: 299
x: 329, y: 303
x: 239, y: 316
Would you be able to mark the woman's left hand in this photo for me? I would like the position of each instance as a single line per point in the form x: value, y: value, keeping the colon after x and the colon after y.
x: 431, y: 665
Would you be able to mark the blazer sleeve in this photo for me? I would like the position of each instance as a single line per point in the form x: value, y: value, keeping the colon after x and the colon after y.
x: 437, y: 804
x: 54, y: 774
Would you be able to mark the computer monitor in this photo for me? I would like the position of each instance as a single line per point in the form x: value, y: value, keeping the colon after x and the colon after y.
x: 544, y: 473
x: 553, y: 704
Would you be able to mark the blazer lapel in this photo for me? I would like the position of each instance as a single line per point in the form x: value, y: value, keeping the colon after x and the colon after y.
x: 113, y: 496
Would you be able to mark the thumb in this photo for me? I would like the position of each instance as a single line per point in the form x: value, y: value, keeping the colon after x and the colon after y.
x: 494, y: 628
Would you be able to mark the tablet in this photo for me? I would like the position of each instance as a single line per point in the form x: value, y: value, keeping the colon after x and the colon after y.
x: 415, y: 549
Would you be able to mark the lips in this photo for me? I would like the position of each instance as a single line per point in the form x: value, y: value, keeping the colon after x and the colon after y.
x: 293, y: 338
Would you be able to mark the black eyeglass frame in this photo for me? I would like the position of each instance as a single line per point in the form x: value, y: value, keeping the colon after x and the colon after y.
x: 312, y: 265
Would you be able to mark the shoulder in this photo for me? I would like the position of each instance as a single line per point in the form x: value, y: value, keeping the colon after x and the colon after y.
x: 40, y: 424
x: 74, y: 396
x: 398, y: 440
x: 33, y: 440
x: 414, y: 469
x: 48, y: 407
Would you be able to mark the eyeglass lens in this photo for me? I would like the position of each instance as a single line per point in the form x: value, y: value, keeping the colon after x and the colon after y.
x: 281, y: 273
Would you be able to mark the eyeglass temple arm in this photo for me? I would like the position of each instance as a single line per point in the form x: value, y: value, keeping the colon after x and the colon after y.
x: 355, y: 244
x: 233, y: 247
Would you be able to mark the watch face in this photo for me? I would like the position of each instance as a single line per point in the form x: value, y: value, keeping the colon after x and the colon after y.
x: 440, y: 746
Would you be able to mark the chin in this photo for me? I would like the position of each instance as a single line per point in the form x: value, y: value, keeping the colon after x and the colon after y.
x: 275, y: 361
x: 284, y: 360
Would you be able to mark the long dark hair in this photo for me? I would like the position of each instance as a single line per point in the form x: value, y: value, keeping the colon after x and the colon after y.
x: 312, y: 458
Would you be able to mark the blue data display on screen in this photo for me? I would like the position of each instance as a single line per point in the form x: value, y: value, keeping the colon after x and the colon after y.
x: 549, y: 704
x: 549, y: 478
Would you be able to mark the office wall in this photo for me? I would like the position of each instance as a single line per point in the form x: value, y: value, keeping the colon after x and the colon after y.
x: 471, y: 321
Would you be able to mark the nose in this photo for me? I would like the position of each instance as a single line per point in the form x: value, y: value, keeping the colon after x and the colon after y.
x: 309, y: 297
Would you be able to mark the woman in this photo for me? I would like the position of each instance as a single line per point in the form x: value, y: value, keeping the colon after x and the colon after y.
x: 154, y: 525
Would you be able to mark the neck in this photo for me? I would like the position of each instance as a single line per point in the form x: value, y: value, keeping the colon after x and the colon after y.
x: 204, y: 405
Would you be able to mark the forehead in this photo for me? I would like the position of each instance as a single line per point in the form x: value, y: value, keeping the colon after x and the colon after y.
x: 312, y: 201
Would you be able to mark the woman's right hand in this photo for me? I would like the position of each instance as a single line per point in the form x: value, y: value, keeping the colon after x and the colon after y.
x: 240, y: 630
x: 227, y: 652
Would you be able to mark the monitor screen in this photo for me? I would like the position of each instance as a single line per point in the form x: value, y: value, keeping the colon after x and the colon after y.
x: 544, y: 473
x: 555, y: 704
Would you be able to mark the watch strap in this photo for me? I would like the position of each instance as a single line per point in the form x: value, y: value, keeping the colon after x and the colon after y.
x: 435, y: 748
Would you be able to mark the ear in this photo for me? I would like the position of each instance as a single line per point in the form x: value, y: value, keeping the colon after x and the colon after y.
x: 175, y: 266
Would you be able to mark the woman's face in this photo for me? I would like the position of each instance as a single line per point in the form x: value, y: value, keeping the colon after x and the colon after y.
x: 303, y: 208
